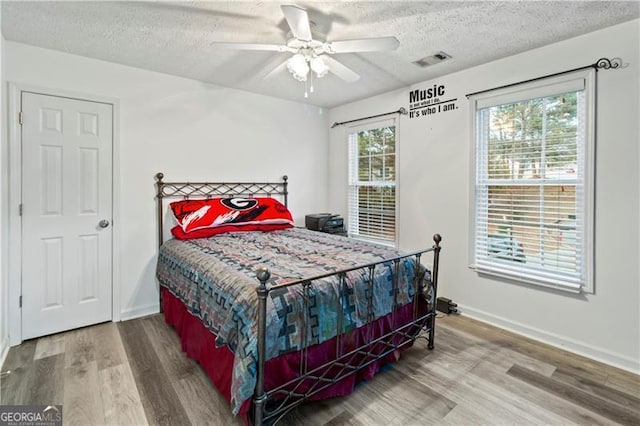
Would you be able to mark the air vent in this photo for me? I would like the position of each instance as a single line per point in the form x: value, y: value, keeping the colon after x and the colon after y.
x: 432, y: 60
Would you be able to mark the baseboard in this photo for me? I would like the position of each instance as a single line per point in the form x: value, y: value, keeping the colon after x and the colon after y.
x: 579, y: 348
x: 139, y: 311
x: 4, y: 350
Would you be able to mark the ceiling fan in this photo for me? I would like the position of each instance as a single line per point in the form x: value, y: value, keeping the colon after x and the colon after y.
x: 313, y: 56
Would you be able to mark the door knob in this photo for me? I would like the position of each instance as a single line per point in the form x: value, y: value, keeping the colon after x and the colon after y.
x: 103, y: 223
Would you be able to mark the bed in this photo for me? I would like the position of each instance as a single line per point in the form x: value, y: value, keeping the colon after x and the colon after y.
x: 291, y: 315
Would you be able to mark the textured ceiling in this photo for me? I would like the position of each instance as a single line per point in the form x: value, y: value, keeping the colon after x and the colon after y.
x: 176, y: 38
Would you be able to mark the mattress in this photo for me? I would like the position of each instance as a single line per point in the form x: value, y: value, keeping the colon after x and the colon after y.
x: 215, y: 279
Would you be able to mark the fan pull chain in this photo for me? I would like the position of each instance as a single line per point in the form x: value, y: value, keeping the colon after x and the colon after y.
x: 306, y: 94
x: 311, y: 77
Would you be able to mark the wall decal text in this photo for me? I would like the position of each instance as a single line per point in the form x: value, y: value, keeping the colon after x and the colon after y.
x: 425, y: 102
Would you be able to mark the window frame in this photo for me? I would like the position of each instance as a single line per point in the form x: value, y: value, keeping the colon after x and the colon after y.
x: 531, y: 90
x: 354, y: 129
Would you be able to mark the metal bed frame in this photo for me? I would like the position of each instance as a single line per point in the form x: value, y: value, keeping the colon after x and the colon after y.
x: 270, y: 406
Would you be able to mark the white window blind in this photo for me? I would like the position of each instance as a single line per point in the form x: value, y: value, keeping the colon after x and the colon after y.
x: 533, y: 195
x: 372, y: 182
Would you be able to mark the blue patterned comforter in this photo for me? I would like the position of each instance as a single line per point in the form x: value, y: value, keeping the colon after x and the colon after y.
x: 215, y: 278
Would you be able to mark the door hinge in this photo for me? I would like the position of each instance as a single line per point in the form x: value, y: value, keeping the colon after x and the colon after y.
x: 20, y: 301
x: 20, y: 209
x: 20, y: 118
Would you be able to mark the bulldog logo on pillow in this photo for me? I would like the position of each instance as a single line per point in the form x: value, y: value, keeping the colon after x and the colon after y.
x: 239, y: 203
x: 193, y: 215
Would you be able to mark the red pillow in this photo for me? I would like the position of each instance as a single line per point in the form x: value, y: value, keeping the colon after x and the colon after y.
x: 193, y: 215
x: 210, y: 232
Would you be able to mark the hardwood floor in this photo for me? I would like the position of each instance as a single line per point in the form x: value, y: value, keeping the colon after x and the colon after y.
x: 134, y: 373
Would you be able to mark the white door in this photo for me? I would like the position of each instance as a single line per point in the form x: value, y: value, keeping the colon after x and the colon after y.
x: 66, y: 213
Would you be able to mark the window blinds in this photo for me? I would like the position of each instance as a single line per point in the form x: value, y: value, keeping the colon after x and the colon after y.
x: 372, y: 181
x: 532, y: 191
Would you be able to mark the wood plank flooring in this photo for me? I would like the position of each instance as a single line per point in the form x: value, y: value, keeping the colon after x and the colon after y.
x: 134, y: 373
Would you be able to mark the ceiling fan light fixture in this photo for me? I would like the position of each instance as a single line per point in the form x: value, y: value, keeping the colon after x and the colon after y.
x: 319, y: 67
x: 298, y: 67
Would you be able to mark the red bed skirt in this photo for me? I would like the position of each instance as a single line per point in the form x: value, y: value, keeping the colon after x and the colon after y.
x: 199, y: 343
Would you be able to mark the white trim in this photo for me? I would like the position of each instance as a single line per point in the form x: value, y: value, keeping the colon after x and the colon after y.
x: 589, y: 244
x: 139, y: 311
x: 389, y: 244
x: 375, y: 123
x: 14, y: 283
x: 611, y: 358
x: 4, y: 350
x: 15, y: 189
x: 115, y: 212
x: 537, y: 281
x: 573, y: 82
x: 472, y: 187
x: 372, y: 123
x: 584, y: 81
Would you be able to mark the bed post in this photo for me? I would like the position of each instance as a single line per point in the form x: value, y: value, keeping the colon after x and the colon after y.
x: 159, y: 194
x: 285, y: 190
x: 434, y: 279
x: 259, y: 396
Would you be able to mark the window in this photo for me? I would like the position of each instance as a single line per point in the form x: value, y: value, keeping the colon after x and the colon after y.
x: 533, y: 198
x: 372, y: 182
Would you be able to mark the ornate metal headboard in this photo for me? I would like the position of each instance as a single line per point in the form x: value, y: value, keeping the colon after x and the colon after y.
x: 188, y: 190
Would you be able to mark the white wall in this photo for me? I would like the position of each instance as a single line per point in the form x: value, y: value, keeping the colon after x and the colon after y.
x: 434, y: 182
x: 190, y: 131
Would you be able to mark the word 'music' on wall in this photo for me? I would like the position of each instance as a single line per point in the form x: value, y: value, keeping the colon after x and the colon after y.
x: 430, y: 101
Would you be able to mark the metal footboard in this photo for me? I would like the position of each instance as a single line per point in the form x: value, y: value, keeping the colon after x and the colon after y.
x: 269, y: 406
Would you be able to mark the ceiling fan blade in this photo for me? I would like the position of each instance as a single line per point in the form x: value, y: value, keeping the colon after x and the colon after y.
x: 340, y: 70
x: 277, y: 70
x: 362, y: 45
x: 250, y: 46
x: 298, y: 21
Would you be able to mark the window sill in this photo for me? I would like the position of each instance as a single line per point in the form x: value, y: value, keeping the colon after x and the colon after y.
x: 554, y: 284
x: 389, y: 244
